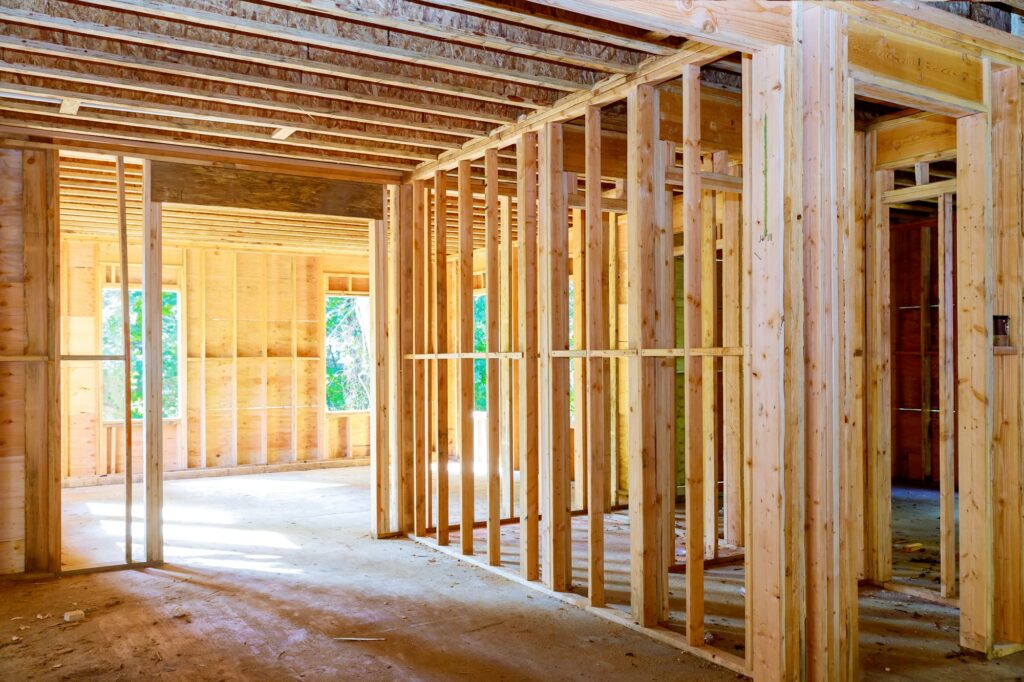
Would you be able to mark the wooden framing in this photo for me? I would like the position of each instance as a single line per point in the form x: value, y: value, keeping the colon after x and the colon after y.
x: 377, y: 111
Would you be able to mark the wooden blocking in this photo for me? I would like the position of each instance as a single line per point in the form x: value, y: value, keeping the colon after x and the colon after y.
x: 152, y: 355
x: 464, y: 366
x: 974, y: 287
x: 526, y: 206
x: 492, y: 239
x: 380, y: 460
x: 696, y: 250
x: 595, y: 394
x: 439, y: 324
x: 649, y: 511
x: 179, y: 183
x: 553, y: 374
x: 1008, y: 462
x: 878, y: 421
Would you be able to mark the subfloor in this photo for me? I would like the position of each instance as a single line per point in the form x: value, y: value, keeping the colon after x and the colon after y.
x: 266, y: 577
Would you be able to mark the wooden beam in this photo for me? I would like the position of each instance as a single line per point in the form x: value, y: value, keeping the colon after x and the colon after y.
x: 204, y: 186
x: 743, y: 25
x: 529, y: 511
x: 553, y: 374
x: 931, y: 190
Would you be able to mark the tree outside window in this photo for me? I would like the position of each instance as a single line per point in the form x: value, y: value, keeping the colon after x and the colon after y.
x: 113, y: 344
x: 347, y: 353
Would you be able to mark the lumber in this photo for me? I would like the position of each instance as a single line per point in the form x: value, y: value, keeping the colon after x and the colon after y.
x: 152, y: 358
x: 494, y: 295
x: 439, y: 324
x: 464, y: 366
x: 529, y: 510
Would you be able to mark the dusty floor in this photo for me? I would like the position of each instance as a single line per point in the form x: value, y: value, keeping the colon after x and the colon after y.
x: 266, y: 571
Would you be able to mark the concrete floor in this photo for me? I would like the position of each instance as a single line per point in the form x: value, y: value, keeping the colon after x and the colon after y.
x: 265, y: 572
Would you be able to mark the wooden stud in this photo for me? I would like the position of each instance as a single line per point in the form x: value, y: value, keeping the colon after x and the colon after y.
x: 126, y: 345
x: 974, y: 408
x: 947, y: 386
x: 694, y: 328
x: 493, y: 277
x: 464, y: 367
x: 553, y: 375
x: 419, y: 313
x: 648, y: 510
x: 594, y: 394
x: 529, y: 511
x: 152, y: 357
x: 439, y: 322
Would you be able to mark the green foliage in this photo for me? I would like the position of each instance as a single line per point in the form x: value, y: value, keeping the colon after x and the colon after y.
x: 348, y: 353
x: 480, y: 346
x: 112, y: 344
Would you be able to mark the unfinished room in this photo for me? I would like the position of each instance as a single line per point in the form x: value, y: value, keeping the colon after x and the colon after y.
x: 511, y: 339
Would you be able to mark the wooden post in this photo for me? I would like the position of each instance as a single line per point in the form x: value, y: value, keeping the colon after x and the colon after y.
x: 40, y: 244
x: 694, y: 252
x: 126, y: 345
x: 553, y: 373
x: 399, y: 338
x: 1008, y: 457
x: 827, y: 124
x: 593, y: 397
x: 947, y: 387
x: 578, y: 366
x: 506, y: 394
x: 649, y: 511
x: 705, y: 281
x: 493, y: 276
x: 776, y: 367
x: 152, y: 356
x: 464, y: 366
x: 975, y: 379
x: 733, y: 301
x: 420, y: 400
x: 878, y: 466
x: 380, y: 460
x: 439, y: 322
x: 526, y: 167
